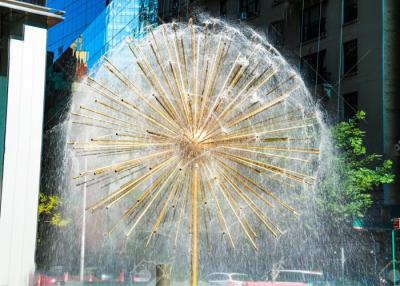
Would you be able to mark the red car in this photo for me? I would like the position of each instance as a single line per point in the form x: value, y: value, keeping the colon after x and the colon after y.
x: 44, y: 280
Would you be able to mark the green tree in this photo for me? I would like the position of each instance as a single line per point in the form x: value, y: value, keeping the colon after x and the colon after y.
x: 346, y: 192
x: 50, y: 221
x: 49, y: 211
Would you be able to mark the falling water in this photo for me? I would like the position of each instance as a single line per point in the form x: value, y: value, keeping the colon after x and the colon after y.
x: 198, y: 136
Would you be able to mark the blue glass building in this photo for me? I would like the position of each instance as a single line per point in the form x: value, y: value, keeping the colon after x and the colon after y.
x: 78, y: 15
x: 119, y: 20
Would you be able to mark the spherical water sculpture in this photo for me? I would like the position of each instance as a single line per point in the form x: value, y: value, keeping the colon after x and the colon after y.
x: 198, y: 128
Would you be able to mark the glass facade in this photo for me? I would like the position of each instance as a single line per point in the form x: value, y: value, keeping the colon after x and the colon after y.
x: 78, y: 15
x: 119, y: 20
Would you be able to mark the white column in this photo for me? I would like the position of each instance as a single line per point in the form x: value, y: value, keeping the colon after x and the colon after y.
x: 23, y: 140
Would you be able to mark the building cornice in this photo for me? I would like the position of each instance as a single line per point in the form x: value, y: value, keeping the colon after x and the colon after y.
x: 52, y: 16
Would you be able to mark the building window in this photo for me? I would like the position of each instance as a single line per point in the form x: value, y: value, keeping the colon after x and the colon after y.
x: 276, y: 33
x: 349, y: 11
x: 350, y: 57
x: 222, y: 7
x: 350, y: 105
x: 314, y: 22
x: 313, y: 73
x: 248, y: 9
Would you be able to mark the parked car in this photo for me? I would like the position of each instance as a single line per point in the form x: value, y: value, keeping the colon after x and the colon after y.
x: 141, y: 277
x: 292, y: 278
x: 227, y: 279
x: 44, y: 280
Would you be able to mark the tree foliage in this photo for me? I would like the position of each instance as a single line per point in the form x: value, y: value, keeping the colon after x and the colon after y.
x: 346, y: 194
x: 49, y: 210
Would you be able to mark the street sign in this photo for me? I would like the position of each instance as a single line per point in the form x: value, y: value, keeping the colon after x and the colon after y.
x: 396, y: 223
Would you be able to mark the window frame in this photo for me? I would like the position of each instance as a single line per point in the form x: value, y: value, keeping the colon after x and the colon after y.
x: 310, y: 26
x: 349, y: 110
x: 244, y: 9
x: 306, y: 66
x: 276, y: 36
x: 346, y: 8
x: 349, y: 69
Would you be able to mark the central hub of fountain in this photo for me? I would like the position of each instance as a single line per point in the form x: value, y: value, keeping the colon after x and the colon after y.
x: 190, y: 147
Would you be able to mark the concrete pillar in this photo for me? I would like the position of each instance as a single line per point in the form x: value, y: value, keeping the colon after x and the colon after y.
x: 23, y: 141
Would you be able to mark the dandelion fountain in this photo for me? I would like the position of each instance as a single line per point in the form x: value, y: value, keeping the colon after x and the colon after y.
x: 195, y: 135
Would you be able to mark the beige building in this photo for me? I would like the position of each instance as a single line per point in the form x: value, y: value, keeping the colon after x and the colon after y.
x: 347, y: 51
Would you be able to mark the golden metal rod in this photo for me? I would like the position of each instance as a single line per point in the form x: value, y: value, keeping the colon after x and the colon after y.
x: 258, y: 170
x: 107, y: 115
x: 218, y: 206
x: 274, y: 124
x: 115, y: 71
x: 181, y: 94
x: 239, y: 176
x: 209, y: 78
x: 156, y: 52
x: 92, y: 125
x: 181, y: 80
x: 238, y: 209
x: 262, y: 108
x: 216, y: 101
x: 151, y: 76
x: 148, y: 191
x: 194, y: 69
x: 163, y: 211
x: 184, y: 56
x: 255, y: 136
x: 232, y: 104
x: 259, y: 214
x: 273, y: 120
x: 153, y: 120
x: 98, y: 119
x: 131, y: 107
x: 161, y: 188
x: 266, y: 154
x: 182, y: 211
x: 222, y: 189
x: 130, y: 186
x: 217, y: 69
x: 204, y: 64
x: 276, y: 148
x: 195, y: 228
x: 300, y: 178
x: 91, y: 81
x: 131, y: 161
x: 231, y: 172
x: 205, y: 209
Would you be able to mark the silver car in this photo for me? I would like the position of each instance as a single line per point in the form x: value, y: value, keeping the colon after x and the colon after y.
x: 226, y: 279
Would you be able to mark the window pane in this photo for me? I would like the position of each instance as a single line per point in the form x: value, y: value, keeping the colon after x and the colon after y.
x: 276, y: 32
x: 350, y: 57
x: 314, y: 21
x: 248, y: 9
x: 350, y: 105
x: 313, y: 73
x: 222, y: 8
x: 349, y: 11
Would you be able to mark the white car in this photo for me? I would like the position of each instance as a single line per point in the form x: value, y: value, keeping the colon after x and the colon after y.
x: 226, y: 279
